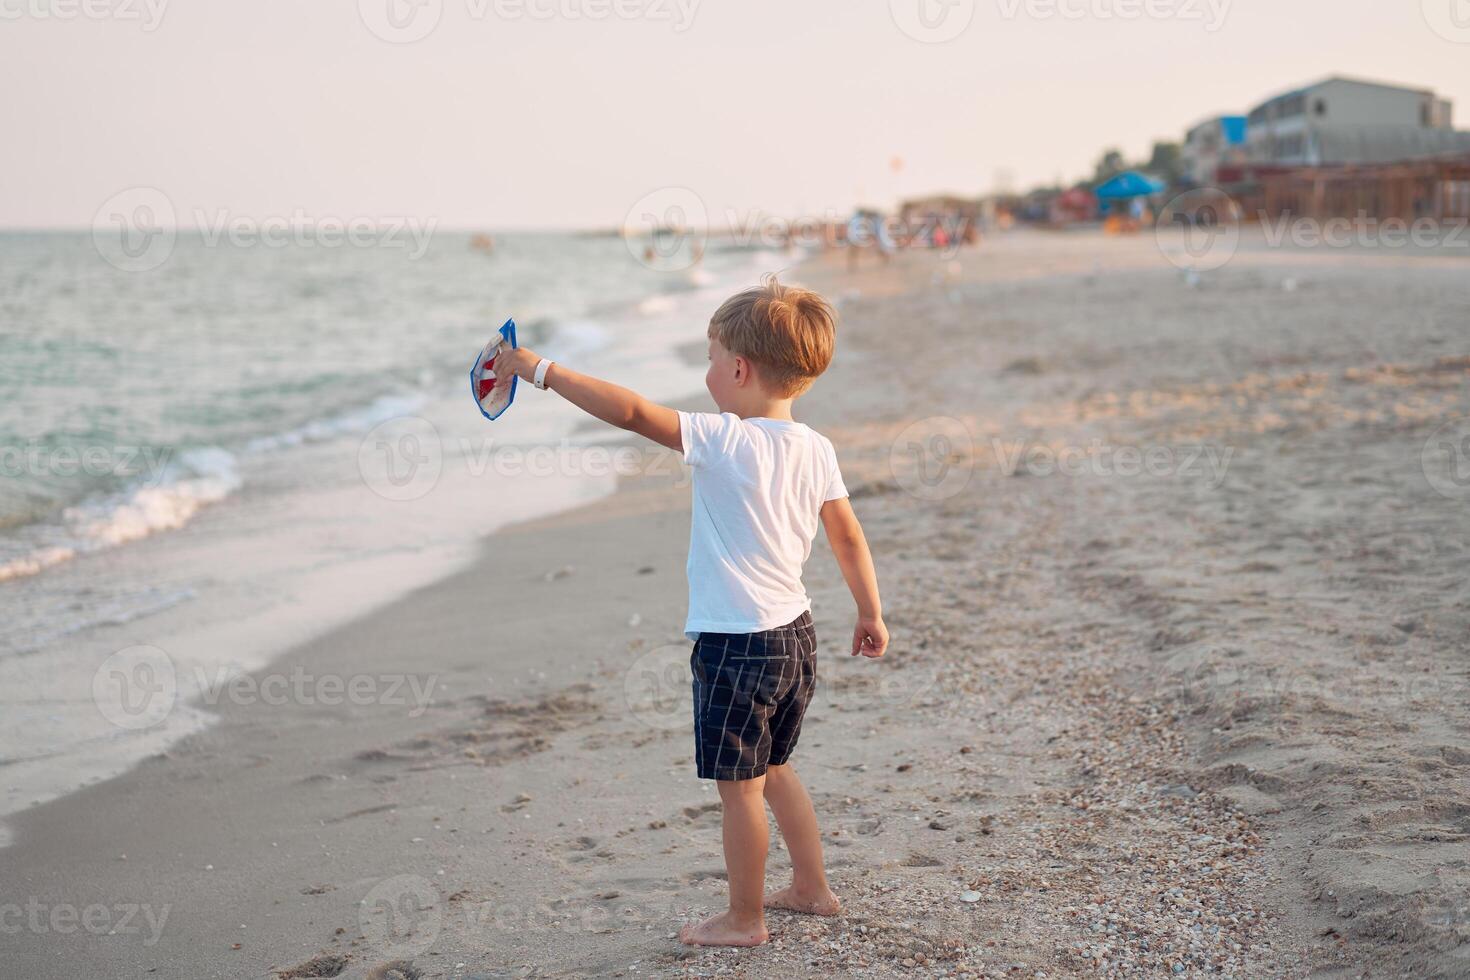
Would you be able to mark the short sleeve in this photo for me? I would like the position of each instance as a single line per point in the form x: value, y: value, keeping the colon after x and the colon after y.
x: 836, y: 489
x: 707, y: 437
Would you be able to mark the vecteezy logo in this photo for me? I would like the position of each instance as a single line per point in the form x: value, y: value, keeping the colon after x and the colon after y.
x: 402, y: 458
x: 136, y: 687
x: 1445, y: 459
x: 134, y: 229
x: 1199, y: 230
x: 1450, y: 19
x: 667, y: 228
x: 932, y: 21
x: 400, y: 916
x: 933, y: 458
x: 657, y: 686
x: 401, y: 21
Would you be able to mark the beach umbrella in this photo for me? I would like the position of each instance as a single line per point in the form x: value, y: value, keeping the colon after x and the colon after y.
x: 1128, y: 184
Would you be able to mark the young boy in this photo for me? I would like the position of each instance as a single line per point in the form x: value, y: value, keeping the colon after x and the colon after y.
x: 762, y: 481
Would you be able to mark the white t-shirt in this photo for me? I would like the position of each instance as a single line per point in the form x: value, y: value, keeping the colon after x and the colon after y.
x: 759, y: 485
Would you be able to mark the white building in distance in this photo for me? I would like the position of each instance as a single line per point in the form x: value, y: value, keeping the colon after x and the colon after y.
x: 1345, y: 121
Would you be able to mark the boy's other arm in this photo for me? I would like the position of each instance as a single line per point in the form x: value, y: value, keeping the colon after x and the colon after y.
x: 611, y: 403
x: 845, y: 535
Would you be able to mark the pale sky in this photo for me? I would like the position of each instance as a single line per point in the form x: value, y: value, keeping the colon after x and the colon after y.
x: 501, y: 119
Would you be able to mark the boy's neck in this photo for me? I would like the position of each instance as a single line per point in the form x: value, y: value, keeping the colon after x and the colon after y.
x: 778, y: 410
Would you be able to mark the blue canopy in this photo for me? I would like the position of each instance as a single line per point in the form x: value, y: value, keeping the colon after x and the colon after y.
x: 1129, y: 183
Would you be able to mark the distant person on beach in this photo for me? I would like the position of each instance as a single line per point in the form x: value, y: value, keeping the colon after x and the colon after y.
x: 762, y: 484
x: 866, y: 230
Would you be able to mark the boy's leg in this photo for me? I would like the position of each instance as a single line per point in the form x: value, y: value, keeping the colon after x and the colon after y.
x: 797, y: 818
x: 788, y: 797
x: 746, y: 840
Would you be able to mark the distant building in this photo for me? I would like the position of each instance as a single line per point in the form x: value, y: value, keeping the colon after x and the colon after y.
x: 1346, y: 121
x: 1218, y: 140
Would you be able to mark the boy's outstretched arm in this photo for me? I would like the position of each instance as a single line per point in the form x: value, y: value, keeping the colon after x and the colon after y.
x: 602, y: 399
x: 845, y: 535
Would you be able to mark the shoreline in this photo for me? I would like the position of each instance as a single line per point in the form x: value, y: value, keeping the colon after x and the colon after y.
x: 1077, y: 723
x: 297, y: 573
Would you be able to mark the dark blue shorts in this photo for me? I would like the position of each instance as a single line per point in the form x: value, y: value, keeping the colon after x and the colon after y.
x: 750, y: 693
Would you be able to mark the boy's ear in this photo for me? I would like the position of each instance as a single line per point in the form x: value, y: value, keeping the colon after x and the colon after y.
x: 742, y: 370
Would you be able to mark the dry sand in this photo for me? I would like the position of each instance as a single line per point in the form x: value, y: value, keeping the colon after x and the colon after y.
x: 1207, y: 717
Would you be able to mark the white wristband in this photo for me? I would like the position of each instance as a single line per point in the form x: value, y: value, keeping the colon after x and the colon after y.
x: 542, y: 367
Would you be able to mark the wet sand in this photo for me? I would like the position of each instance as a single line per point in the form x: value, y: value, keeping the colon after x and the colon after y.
x: 1178, y: 683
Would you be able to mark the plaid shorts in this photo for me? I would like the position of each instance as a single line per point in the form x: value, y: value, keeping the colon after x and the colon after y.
x: 750, y: 693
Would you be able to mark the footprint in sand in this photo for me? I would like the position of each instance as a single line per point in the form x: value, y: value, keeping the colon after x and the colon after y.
x: 581, y: 846
x: 394, y: 970
x: 325, y: 965
x: 704, y: 815
x: 704, y: 874
x: 917, y: 860
x: 632, y: 887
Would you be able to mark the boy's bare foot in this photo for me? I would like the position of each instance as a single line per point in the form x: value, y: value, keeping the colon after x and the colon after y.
x: 719, y: 930
x: 820, y: 903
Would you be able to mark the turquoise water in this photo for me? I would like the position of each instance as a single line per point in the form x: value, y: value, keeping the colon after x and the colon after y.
x: 117, y: 381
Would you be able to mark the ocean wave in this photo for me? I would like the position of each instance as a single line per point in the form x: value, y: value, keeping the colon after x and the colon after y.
x: 350, y: 422
x: 196, y: 479
x: 576, y: 338
x: 37, y: 537
x: 202, y: 476
x: 36, y: 562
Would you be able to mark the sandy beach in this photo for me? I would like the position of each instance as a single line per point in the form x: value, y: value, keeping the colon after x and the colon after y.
x: 1178, y: 683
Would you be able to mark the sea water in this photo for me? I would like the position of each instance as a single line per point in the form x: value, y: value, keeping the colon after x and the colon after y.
x: 217, y: 458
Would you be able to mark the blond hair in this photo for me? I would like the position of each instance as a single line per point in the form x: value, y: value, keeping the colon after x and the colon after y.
x: 787, y: 332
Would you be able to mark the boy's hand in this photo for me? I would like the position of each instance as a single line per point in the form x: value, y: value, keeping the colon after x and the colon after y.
x: 520, y: 361
x: 870, y: 638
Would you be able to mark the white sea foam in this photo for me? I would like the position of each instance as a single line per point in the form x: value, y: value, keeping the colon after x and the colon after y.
x: 658, y: 303
x: 196, y: 479
x: 35, y: 562
x: 577, y: 338
x: 205, y: 476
